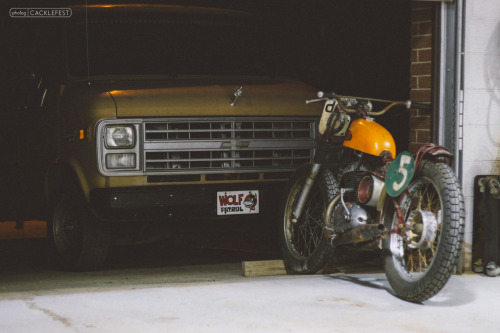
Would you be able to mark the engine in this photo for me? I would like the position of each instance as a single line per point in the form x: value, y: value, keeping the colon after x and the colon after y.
x: 360, y: 193
x: 350, y: 215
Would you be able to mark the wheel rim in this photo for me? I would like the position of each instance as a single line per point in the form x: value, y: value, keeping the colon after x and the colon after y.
x: 67, y: 230
x: 304, y: 236
x: 415, y: 248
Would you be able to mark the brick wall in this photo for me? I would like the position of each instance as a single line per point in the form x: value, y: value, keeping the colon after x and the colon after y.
x: 420, y: 72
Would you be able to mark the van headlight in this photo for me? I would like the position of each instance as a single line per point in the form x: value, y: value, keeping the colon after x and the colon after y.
x: 119, y: 136
x: 120, y: 161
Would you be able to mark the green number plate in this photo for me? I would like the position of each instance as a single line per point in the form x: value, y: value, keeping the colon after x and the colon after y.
x: 399, y: 174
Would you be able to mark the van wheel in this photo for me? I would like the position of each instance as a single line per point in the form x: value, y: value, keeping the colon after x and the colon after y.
x: 77, y: 239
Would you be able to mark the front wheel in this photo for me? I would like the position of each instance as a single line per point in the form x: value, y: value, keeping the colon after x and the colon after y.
x: 304, y: 248
x: 424, y: 252
x: 78, y: 241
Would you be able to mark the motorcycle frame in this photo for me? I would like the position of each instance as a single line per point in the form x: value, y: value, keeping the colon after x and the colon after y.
x: 359, y: 235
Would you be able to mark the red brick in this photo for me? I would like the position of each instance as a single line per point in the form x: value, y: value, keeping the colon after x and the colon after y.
x: 420, y: 122
x: 424, y: 82
x: 423, y: 136
x: 420, y: 95
x: 413, y: 147
x: 421, y: 42
x: 425, y: 55
x: 421, y: 14
x: 422, y: 113
x: 420, y: 72
x: 416, y: 4
x: 414, y: 82
x: 425, y: 28
x: 414, y: 29
x: 412, y: 137
x: 414, y: 56
x: 420, y: 68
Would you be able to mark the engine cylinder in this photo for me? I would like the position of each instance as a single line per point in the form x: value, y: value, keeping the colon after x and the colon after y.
x: 369, y: 190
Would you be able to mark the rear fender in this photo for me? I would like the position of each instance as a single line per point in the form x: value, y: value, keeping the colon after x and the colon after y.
x: 429, y: 151
x: 434, y: 151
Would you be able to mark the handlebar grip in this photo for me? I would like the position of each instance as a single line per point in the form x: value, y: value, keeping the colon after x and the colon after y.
x: 325, y: 94
x: 415, y: 105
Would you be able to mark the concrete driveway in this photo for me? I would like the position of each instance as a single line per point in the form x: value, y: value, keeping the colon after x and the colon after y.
x: 216, y: 298
x: 197, y: 286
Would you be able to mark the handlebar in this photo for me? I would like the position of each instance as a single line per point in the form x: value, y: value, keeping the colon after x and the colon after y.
x: 366, y: 103
x: 422, y: 106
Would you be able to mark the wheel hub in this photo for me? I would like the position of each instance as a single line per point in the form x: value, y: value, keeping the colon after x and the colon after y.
x: 423, y: 227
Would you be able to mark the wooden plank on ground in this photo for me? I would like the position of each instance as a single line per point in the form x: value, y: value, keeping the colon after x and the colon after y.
x: 263, y: 268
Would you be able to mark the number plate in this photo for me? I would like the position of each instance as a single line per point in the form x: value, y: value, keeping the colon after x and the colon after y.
x: 399, y: 174
x: 238, y: 202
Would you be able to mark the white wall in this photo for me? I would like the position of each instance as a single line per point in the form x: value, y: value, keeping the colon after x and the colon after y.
x: 481, y: 121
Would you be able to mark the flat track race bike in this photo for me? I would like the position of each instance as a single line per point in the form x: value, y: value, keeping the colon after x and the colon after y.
x: 409, y: 208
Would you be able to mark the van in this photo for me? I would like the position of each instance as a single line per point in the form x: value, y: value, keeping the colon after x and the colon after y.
x: 140, y: 116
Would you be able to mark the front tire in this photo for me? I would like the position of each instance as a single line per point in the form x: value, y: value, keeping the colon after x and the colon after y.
x: 78, y: 241
x: 303, y: 245
x: 422, y: 257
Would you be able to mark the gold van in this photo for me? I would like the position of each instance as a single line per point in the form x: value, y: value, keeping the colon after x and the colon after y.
x: 162, y: 112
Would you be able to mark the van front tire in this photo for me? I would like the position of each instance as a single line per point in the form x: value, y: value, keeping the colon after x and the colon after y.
x: 78, y: 241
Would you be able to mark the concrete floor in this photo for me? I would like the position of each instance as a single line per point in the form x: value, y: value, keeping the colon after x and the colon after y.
x: 223, y: 301
x: 196, y: 286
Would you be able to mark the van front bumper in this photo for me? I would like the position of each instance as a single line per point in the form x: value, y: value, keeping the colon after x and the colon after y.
x: 175, y: 202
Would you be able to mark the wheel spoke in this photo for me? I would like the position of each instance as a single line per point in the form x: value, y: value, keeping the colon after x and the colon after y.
x: 303, y: 246
x: 307, y: 232
x: 425, y: 252
x: 424, y: 197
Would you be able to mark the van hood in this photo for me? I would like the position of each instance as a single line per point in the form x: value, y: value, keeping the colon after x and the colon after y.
x: 187, y: 97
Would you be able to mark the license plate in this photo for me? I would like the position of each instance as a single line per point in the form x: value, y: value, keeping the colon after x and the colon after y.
x: 238, y: 202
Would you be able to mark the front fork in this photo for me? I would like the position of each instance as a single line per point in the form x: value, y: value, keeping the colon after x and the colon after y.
x: 320, y: 158
x: 304, y: 194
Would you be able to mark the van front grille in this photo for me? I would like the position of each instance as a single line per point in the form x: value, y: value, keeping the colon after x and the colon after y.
x: 228, y: 145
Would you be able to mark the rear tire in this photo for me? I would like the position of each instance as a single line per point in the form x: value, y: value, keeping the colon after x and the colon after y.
x: 303, y: 245
x: 421, y: 262
x: 78, y: 241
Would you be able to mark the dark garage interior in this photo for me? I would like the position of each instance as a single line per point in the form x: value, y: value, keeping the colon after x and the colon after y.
x: 354, y: 47
x: 168, y: 165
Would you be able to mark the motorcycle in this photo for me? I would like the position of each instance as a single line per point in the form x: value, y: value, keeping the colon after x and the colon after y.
x: 409, y: 208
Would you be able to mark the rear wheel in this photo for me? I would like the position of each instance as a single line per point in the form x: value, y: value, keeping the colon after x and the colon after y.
x: 425, y: 251
x: 303, y: 245
x: 78, y: 241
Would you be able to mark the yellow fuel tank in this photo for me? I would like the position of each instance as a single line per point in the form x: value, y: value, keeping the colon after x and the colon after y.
x: 369, y: 137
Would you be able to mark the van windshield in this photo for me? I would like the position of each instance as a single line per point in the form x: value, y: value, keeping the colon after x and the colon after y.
x: 170, y: 45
